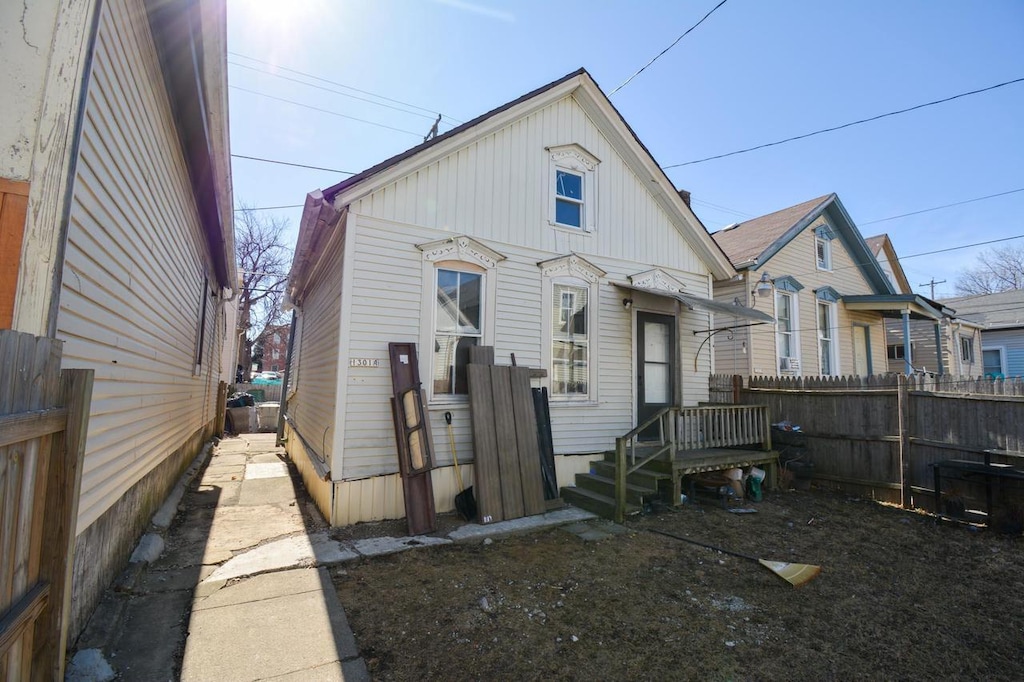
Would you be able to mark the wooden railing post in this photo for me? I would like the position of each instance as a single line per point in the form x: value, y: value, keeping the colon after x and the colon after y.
x: 620, y: 480
x: 737, y: 384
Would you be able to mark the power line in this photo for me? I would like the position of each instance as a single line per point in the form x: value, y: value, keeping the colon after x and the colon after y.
x: 325, y: 111
x: 332, y: 90
x: 658, y: 56
x: 266, y: 208
x: 965, y: 246
x: 288, y: 163
x: 342, y: 85
x: 936, y: 208
x: 845, y: 125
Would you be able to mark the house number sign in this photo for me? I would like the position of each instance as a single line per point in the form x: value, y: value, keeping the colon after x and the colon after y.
x: 364, y: 362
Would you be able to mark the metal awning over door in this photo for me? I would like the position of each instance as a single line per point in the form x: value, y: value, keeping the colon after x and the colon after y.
x: 703, y: 304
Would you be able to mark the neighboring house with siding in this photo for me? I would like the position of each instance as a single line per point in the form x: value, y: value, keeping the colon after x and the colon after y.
x: 1001, y: 317
x: 810, y: 268
x: 959, y: 339
x: 113, y: 127
x: 543, y: 228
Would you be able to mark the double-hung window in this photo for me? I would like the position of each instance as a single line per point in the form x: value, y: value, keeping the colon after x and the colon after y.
x: 826, y: 338
x: 569, y: 188
x: 784, y: 314
x: 457, y: 327
x: 573, y: 178
x: 570, y: 343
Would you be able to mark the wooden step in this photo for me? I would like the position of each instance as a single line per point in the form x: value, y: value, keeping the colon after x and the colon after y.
x: 643, y: 478
x: 595, y: 502
x: 635, y: 494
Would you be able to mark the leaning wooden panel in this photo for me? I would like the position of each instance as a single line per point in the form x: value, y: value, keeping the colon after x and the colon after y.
x: 528, y: 445
x: 486, y: 474
x: 508, y: 449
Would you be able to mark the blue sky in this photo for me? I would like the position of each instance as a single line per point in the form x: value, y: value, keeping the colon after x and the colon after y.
x: 756, y: 71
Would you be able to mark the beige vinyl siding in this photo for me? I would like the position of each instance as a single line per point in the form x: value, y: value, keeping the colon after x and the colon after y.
x: 387, y: 285
x: 732, y: 350
x: 496, y: 189
x: 925, y: 357
x: 134, y: 271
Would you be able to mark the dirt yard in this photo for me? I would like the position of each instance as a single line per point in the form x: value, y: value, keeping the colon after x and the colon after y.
x: 900, y: 597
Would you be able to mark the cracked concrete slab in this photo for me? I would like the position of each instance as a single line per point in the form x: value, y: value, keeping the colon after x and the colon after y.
x: 241, y: 527
x: 474, y: 532
x: 267, y: 491
x: 388, y: 545
x: 299, y: 550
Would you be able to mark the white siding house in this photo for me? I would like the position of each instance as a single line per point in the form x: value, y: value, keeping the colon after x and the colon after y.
x: 524, y: 230
x: 127, y: 248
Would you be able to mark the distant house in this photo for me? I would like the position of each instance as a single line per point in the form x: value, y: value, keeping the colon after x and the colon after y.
x: 959, y: 339
x: 1001, y: 317
x: 810, y: 268
x: 113, y: 141
x: 274, y: 341
x: 543, y: 228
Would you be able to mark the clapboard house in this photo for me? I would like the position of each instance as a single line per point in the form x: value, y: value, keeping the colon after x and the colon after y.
x: 543, y: 229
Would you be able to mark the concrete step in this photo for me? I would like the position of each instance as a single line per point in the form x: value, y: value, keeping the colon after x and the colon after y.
x: 595, y: 502
x: 602, y: 485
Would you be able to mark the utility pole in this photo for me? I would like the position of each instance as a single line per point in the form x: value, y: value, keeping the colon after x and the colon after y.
x: 932, y: 285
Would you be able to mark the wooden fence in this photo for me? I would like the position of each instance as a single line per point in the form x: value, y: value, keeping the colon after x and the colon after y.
x: 881, y: 435
x: 44, y: 414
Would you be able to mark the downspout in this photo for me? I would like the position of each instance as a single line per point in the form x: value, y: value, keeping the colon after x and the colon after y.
x: 908, y: 367
x: 939, y: 350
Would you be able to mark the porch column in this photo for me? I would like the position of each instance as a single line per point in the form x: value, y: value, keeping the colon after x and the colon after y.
x: 908, y: 366
x: 938, y: 348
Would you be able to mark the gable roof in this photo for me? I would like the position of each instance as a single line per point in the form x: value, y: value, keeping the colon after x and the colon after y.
x: 752, y: 243
x: 1004, y: 310
x: 584, y: 89
x: 881, y: 242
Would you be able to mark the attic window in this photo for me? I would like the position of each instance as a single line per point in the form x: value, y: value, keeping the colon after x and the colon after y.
x: 573, y: 187
x: 823, y: 237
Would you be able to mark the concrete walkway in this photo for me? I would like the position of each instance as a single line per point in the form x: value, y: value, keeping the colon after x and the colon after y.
x: 232, y: 583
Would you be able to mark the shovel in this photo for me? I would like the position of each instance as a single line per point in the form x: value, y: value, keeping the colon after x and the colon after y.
x: 465, y: 504
x: 794, y: 574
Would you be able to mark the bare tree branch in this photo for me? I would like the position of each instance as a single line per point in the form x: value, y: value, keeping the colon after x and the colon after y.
x: 998, y: 269
x: 263, y: 261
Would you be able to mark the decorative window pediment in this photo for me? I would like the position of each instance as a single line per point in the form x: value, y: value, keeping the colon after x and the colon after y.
x: 656, y: 279
x: 573, y: 157
x: 788, y: 283
x: 827, y: 294
x: 824, y: 232
x: 460, y: 248
x: 571, y: 266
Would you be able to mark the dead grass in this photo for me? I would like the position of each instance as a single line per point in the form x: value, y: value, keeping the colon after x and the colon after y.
x: 900, y: 597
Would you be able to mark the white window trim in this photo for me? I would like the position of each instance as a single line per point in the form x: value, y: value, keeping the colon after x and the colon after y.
x: 574, y: 271
x: 1002, y: 357
x: 201, y: 325
x: 463, y: 254
x: 834, y: 335
x: 827, y: 246
x: 794, y: 325
x: 574, y: 159
x: 969, y: 339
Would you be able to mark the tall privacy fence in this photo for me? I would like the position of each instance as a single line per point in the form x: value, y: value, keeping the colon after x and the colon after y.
x: 881, y: 435
x: 44, y: 415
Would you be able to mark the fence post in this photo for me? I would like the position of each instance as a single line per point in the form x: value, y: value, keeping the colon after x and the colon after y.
x: 58, y: 556
x: 737, y: 384
x: 222, y: 406
x: 903, y: 405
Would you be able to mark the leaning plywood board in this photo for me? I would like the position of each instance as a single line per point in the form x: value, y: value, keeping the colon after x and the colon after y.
x: 486, y: 475
x: 508, y: 448
x: 526, y: 441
